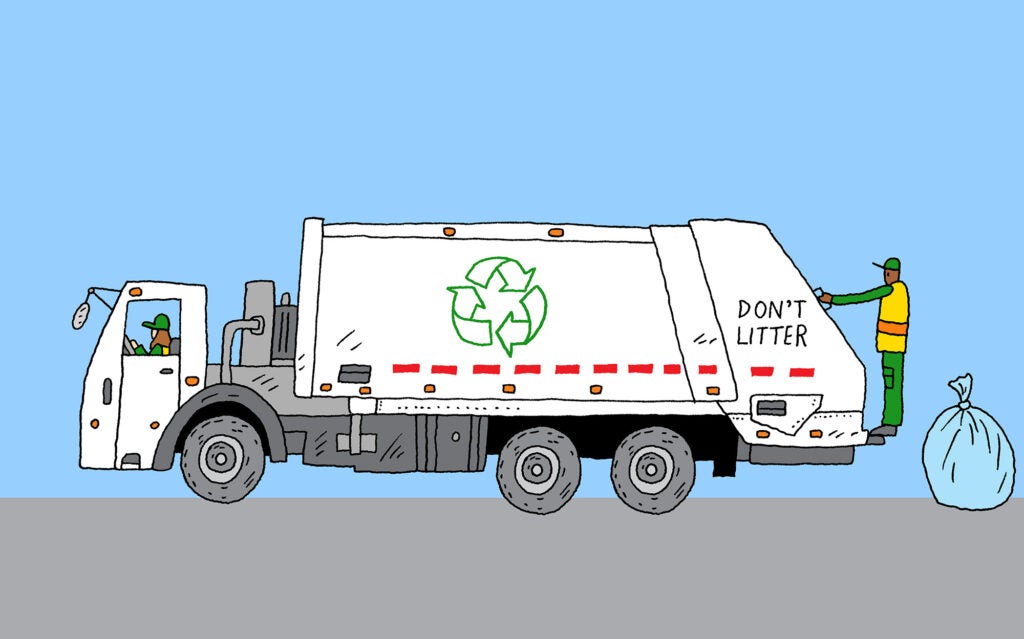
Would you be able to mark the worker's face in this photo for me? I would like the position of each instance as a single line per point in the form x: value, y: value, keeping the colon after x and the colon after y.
x: 152, y: 331
x: 891, y: 276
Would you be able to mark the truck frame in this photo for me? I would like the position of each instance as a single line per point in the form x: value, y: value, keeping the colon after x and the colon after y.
x: 429, y: 347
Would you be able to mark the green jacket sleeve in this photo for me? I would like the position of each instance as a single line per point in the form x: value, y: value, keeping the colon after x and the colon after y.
x: 140, y: 350
x: 866, y: 296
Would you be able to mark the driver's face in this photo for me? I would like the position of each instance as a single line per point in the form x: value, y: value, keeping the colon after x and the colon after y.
x: 152, y: 332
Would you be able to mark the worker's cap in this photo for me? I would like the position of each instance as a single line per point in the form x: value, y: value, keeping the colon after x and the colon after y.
x: 161, y: 323
x: 891, y: 264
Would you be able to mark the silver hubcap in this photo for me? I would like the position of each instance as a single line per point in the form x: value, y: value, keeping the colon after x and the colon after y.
x: 537, y: 469
x: 220, y: 458
x: 650, y: 469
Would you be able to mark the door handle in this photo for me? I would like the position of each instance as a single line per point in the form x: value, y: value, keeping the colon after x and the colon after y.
x: 166, y: 371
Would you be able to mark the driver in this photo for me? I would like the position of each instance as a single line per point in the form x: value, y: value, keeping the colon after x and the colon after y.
x: 160, y: 329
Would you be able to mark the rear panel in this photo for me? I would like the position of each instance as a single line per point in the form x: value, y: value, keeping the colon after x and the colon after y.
x: 782, y: 345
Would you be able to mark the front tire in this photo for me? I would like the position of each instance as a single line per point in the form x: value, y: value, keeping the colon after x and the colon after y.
x: 653, y: 470
x: 222, y: 459
x: 539, y: 470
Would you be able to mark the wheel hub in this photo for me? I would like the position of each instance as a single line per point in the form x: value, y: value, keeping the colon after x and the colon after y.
x: 650, y: 469
x: 537, y: 469
x: 220, y: 458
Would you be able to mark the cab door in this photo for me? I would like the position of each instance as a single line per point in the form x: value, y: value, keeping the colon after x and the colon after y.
x: 153, y: 387
x: 149, y: 399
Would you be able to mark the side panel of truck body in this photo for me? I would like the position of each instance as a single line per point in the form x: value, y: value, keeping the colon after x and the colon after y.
x: 385, y: 303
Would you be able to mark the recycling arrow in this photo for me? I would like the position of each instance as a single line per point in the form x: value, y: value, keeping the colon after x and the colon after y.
x: 516, y: 278
x: 482, y: 272
x: 464, y: 307
x: 508, y: 301
x: 536, y: 305
x: 513, y: 333
x: 476, y: 332
x: 466, y: 301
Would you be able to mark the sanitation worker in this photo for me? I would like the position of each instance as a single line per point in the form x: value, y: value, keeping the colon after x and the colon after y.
x: 160, y: 331
x: 890, y: 339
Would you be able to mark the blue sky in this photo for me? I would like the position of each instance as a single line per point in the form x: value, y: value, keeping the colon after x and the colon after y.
x: 187, y: 142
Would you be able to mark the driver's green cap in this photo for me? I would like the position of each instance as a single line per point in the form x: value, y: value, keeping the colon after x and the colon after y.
x: 891, y: 264
x: 161, y: 323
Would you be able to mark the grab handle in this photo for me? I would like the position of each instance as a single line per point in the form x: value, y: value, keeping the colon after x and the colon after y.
x: 818, y: 292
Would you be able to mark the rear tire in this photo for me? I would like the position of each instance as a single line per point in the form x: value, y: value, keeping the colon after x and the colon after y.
x: 653, y: 470
x: 222, y: 459
x: 538, y: 470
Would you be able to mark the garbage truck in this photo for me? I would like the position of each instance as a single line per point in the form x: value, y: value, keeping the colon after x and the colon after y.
x: 430, y: 347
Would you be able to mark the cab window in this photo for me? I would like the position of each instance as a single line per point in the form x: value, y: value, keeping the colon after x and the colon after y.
x: 153, y: 328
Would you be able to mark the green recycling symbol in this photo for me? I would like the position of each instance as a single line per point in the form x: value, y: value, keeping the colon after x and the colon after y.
x: 499, y: 294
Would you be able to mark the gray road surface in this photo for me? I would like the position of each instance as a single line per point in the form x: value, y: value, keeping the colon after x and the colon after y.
x: 478, y: 568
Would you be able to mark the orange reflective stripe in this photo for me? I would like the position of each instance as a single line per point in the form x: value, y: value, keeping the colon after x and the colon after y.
x: 892, y: 328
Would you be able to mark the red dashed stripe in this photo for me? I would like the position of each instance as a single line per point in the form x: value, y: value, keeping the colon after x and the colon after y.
x: 527, y: 369
x: 600, y: 369
x: 801, y: 372
x: 762, y: 371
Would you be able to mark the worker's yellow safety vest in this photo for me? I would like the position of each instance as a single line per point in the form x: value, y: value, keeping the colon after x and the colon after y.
x: 893, y: 320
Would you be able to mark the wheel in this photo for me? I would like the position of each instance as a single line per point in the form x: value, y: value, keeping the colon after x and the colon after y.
x: 653, y: 470
x: 539, y: 470
x: 222, y: 459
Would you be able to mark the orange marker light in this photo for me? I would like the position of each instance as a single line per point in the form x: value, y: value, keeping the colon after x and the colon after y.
x: 325, y: 387
x: 364, y: 390
x: 135, y: 292
x: 155, y: 425
x: 191, y: 381
x: 429, y: 388
x: 449, y: 231
x: 596, y: 390
x: 508, y: 388
x: 763, y: 434
x: 713, y: 390
x: 556, y: 232
x: 95, y: 423
x: 816, y: 434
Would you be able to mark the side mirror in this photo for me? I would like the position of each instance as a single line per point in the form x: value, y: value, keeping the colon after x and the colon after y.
x: 81, y: 314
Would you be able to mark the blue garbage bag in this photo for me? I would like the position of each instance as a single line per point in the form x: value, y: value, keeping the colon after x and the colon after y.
x: 967, y: 458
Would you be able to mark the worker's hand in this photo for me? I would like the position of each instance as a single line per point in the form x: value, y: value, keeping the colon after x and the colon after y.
x: 825, y: 298
x: 134, y: 344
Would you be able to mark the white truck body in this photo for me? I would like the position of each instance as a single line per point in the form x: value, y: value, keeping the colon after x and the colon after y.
x: 652, y: 316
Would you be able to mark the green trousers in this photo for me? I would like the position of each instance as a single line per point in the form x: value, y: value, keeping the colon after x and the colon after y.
x: 892, y: 374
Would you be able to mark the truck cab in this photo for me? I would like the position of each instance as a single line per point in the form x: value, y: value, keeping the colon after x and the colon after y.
x: 129, y: 398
